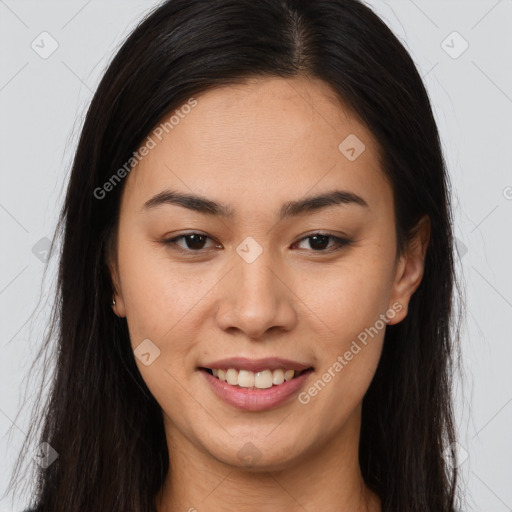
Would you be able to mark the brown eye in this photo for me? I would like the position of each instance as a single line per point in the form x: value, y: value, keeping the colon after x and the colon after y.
x: 194, y: 242
x: 320, y: 241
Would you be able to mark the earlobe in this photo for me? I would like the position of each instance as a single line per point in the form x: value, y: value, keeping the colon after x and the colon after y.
x: 117, y: 303
x: 410, y: 269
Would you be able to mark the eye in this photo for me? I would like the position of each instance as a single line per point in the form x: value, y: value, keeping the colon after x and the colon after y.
x: 318, y: 242
x: 194, y: 241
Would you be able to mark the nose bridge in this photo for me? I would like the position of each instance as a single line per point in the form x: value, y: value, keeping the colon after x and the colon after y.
x: 255, y: 272
x: 258, y: 300
x: 257, y: 287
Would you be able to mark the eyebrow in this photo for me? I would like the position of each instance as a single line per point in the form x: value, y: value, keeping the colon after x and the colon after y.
x: 289, y: 209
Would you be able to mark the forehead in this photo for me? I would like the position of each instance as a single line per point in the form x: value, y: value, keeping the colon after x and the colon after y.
x: 266, y: 138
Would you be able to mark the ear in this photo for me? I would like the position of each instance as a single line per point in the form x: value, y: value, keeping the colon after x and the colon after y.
x: 409, y: 269
x: 119, y: 308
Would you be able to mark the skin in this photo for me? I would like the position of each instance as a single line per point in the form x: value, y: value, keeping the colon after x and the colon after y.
x: 254, y: 147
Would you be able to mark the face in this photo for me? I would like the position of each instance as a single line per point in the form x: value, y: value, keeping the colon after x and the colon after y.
x: 255, y: 286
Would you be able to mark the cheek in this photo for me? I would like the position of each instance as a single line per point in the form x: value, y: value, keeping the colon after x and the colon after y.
x: 345, y: 373
x: 351, y: 301
x: 337, y: 391
x: 157, y: 296
x: 164, y: 304
x: 347, y: 298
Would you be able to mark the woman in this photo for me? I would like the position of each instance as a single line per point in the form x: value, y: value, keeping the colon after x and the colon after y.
x: 255, y: 286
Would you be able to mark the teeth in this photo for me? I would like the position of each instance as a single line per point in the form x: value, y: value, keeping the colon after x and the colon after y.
x: 232, y: 377
x: 278, y: 377
x: 288, y: 374
x: 247, y: 379
x: 263, y: 380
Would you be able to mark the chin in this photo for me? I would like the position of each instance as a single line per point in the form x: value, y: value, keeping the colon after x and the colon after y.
x: 257, y: 453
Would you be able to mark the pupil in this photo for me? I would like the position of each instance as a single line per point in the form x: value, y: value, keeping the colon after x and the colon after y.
x: 195, y: 239
x: 316, y: 241
x: 315, y: 245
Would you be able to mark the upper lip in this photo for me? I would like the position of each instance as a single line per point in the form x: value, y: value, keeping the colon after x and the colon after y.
x: 256, y: 365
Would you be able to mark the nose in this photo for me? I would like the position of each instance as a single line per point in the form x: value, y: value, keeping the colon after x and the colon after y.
x: 257, y: 298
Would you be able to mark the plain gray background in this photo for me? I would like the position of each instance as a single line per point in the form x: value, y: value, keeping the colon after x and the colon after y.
x: 43, y: 100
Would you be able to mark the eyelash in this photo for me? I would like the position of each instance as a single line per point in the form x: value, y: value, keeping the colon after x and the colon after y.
x: 340, y: 242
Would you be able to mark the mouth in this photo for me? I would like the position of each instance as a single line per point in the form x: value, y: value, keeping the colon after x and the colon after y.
x: 255, y: 385
x: 248, y: 379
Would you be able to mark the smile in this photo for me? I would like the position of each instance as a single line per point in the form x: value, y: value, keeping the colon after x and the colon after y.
x: 255, y: 385
x: 260, y: 380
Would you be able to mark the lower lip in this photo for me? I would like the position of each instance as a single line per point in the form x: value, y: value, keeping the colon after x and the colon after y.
x: 253, y: 399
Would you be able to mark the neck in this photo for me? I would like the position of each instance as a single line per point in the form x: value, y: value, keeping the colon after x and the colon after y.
x: 327, y: 477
